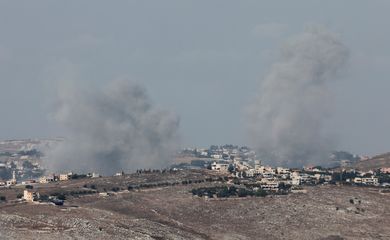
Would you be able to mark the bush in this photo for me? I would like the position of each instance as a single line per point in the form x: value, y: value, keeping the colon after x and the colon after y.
x: 44, y: 197
x: 29, y: 187
x: 242, y: 192
x: 224, y: 192
x: 61, y: 197
x: 232, y: 190
x: 260, y: 193
x: 115, y: 189
x: 2, y: 198
x: 20, y: 195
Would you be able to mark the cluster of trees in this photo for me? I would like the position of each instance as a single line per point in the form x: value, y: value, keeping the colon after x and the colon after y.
x: 184, y: 182
x: 78, y: 176
x: 382, y: 177
x: 62, y: 195
x: 225, y: 192
x: 116, y: 189
x: 151, y: 185
x: 140, y: 171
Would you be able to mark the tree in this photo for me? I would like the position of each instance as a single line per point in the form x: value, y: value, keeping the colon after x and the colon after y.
x: 260, y: 193
x: 61, y: 197
x: 242, y: 192
x: 224, y: 192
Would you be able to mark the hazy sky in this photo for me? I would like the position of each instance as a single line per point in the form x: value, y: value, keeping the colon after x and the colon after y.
x: 203, y: 60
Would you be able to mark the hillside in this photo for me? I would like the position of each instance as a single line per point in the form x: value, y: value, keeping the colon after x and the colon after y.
x: 324, y: 212
x: 378, y: 161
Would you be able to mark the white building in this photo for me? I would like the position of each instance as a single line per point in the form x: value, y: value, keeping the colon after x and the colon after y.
x: 28, y: 196
x: 95, y: 175
x: 216, y: 156
x: 47, y: 179
x: 370, y: 181
x: 220, y: 166
x: 64, y: 177
x: 282, y: 170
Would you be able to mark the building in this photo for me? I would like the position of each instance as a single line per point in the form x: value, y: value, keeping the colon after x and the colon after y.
x: 30, y: 181
x: 47, y: 179
x: 296, y: 180
x: 220, y: 166
x: 29, y: 196
x: 385, y: 170
x: 370, y: 181
x: 64, y: 177
x: 281, y: 170
x: 269, y: 185
x: 12, y: 181
x: 95, y: 175
x: 366, y: 180
x: 357, y: 180
x: 327, y: 178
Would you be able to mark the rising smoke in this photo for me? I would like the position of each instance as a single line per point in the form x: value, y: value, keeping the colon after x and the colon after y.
x: 287, y: 117
x: 112, y: 129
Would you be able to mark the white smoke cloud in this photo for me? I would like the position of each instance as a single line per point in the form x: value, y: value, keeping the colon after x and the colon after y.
x: 287, y: 117
x: 113, y: 129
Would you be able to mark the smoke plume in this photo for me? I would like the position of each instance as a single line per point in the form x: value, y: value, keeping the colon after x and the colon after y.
x: 112, y: 129
x: 287, y: 117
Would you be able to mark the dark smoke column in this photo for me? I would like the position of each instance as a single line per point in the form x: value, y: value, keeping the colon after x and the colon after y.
x: 286, y: 119
x: 113, y: 129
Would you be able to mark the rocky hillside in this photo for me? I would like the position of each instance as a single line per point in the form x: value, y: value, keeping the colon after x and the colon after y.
x: 379, y: 161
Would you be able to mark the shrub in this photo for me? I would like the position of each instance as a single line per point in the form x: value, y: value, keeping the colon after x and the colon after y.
x: 242, y: 192
x: 2, y: 198
x: 260, y: 193
x: 232, y: 190
x: 20, y: 195
x: 115, y: 189
x: 29, y: 187
x: 44, y: 197
x: 224, y: 192
x: 61, y: 197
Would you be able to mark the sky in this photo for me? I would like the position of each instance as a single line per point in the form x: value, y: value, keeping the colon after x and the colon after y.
x: 203, y: 60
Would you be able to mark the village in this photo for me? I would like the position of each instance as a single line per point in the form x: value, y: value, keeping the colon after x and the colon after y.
x: 224, y: 183
x: 236, y: 168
